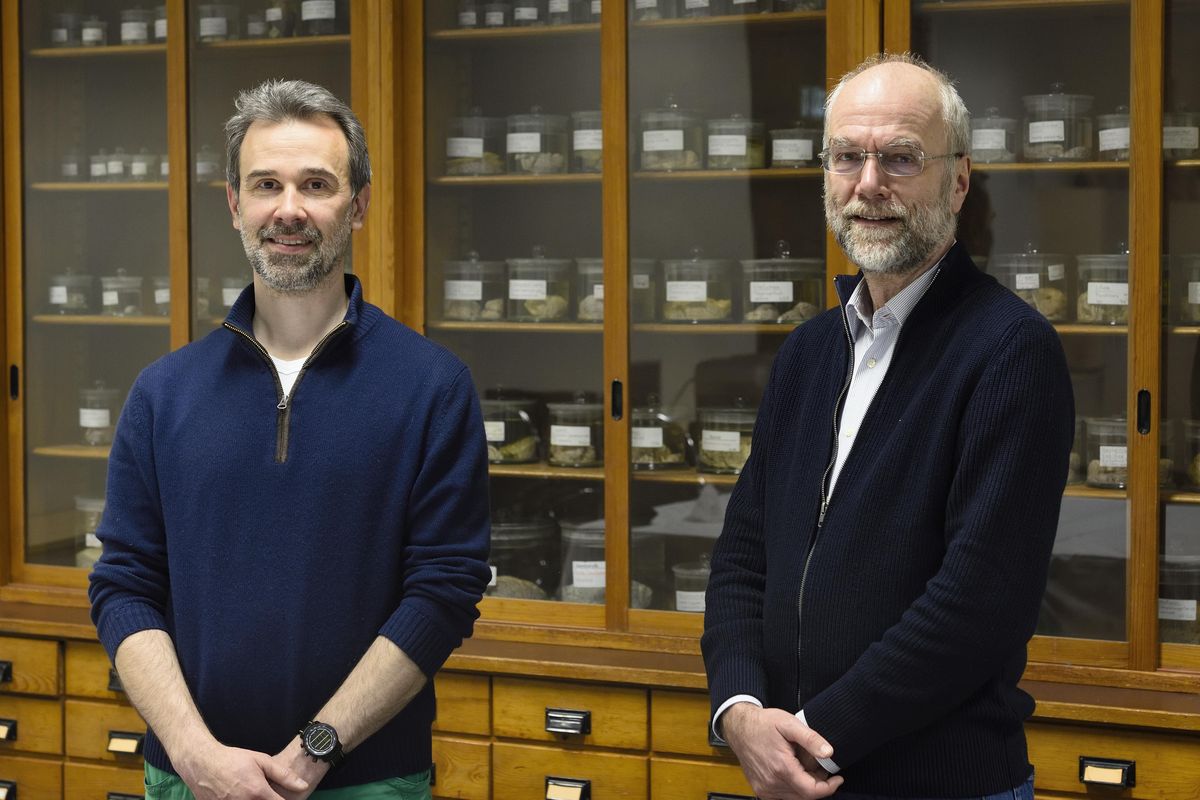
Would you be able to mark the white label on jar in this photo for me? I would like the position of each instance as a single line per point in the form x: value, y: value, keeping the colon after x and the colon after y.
x: 1177, y: 610
x: 229, y: 296
x: 162, y: 296
x: 318, y: 9
x: 596, y: 6
x: 560, y: 6
x: 205, y: 168
x: 95, y: 418
x: 689, y: 601
x: 467, y: 19
x: 1112, y: 456
x: 274, y: 14
x: 494, y: 19
x: 464, y: 290
x: 464, y: 147
x: 58, y: 295
x: 641, y: 4
x: 570, y: 436
x: 116, y: 167
x: 1053, y: 130
x: 93, y: 35
x: 726, y: 145
x: 164, y: 168
x: 160, y: 27
x: 525, y: 14
x: 256, y: 28
x: 1028, y: 280
x: 1194, y: 292
x: 1114, y: 139
x: 1107, y: 294
x: 1056, y: 272
x: 134, y: 31
x: 520, y: 289
x: 587, y: 140
x: 771, y: 291
x: 690, y: 4
x: 494, y: 430
x: 109, y: 298
x: 687, y: 291
x: 656, y: 141
x: 1181, y: 138
x: 721, y: 441
x: 213, y: 26
x: 524, y: 143
x: 70, y: 170
x: 646, y: 437
x: 99, y: 169
x: 138, y: 168
x: 58, y: 35
x: 92, y: 540
x: 641, y: 281
x: 598, y: 291
x: 988, y: 139
x: 587, y: 574
x: 792, y: 150
x: 492, y: 582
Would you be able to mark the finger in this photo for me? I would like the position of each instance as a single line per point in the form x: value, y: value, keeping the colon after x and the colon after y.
x: 277, y: 773
x: 818, y: 787
x: 799, y: 733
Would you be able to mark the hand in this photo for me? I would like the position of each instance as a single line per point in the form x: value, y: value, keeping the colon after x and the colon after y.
x: 217, y: 772
x: 293, y: 759
x: 777, y: 753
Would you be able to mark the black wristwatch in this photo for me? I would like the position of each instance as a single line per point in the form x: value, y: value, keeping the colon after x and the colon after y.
x: 321, y: 742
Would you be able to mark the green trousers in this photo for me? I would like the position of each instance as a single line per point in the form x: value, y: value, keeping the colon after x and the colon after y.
x: 166, y: 786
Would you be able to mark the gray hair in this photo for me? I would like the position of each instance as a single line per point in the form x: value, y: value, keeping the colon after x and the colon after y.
x: 954, y: 110
x: 279, y: 101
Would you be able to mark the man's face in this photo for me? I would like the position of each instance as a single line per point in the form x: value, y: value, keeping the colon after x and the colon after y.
x: 888, y: 224
x: 294, y: 208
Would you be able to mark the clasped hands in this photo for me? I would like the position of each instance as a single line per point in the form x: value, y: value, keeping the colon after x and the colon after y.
x: 217, y: 772
x: 778, y: 753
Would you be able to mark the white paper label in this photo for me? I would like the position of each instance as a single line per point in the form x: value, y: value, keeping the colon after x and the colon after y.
x: 587, y: 140
x: 721, y: 441
x: 524, y: 143
x: 205, y: 168
x: 598, y: 291
x: 656, y: 141
x: 792, y: 150
x: 464, y: 290
x: 213, y: 26
x: 687, y: 291
x: 525, y: 14
x: 162, y: 296
x: 1053, y: 130
x: 1107, y: 294
x: 1181, y: 138
x: 134, y: 31
x: 587, y: 574
x: 690, y: 4
x: 1114, y: 139
x: 646, y: 437
x: 467, y: 19
x: 116, y: 167
x: 164, y: 168
x: 560, y: 6
x: 1028, y: 280
x: 99, y: 169
x: 641, y: 4
x: 726, y: 145
x: 596, y: 7
x: 520, y: 289
x: 464, y: 147
x: 257, y: 28
x: 1194, y: 292
x: 1177, y: 610
x: 109, y: 298
x: 58, y: 295
x: 492, y: 582
x: 988, y: 139
x: 641, y: 281
x: 689, y: 601
x: 93, y: 35
x: 494, y: 19
x: 70, y: 170
x: 770, y: 291
x: 570, y: 436
x: 58, y: 35
x: 274, y: 14
x: 92, y: 540
x: 95, y: 418
x: 138, y: 168
x: 318, y: 9
x: 229, y: 296
x: 1112, y: 456
x: 494, y: 430
x: 1056, y: 272
x: 160, y: 26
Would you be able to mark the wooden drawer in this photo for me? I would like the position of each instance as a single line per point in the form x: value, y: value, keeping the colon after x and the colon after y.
x: 462, y: 768
x: 35, y: 780
x: 674, y: 779
x: 39, y: 725
x: 88, y: 672
x: 519, y: 771
x: 463, y: 703
x: 618, y: 715
x: 89, y: 729
x: 1167, y: 766
x: 94, y: 782
x: 33, y: 665
x: 679, y: 723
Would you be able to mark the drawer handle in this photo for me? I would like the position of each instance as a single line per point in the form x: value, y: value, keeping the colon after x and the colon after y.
x: 723, y: 796
x: 714, y: 740
x: 124, y: 796
x: 8, y: 790
x: 5, y: 672
x: 125, y: 743
x: 114, y: 681
x: 1107, y: 772
x: 567, y: 789
x: 563, y: 720
x: 8, y: 730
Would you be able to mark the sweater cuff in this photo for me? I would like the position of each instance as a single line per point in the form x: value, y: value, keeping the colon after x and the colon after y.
x: 124, y: 621
x: 420, y: 637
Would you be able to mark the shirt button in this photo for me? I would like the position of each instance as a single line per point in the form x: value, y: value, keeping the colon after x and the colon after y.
x: 871, y: 363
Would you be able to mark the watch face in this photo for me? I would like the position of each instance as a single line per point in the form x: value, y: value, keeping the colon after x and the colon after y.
x: 320, y: 740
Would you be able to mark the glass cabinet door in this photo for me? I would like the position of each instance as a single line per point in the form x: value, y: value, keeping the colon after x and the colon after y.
x: 1047, y: 215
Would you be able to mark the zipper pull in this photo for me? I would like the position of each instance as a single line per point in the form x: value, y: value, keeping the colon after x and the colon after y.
x: 821, y: 518
x: 283, y: 407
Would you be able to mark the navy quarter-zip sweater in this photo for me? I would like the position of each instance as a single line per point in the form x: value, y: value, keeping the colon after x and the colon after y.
x: 900, y: 623
x: 275, y: 544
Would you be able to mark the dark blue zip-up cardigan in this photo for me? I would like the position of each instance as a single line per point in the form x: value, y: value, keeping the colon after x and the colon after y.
x: 274, y: 545
x: 900, y: 624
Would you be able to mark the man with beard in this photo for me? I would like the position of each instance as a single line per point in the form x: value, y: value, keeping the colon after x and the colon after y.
x: 878, y: 578
x: 296, y: 530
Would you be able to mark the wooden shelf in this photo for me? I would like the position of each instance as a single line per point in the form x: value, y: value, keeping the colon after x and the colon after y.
x: 106, y: 51
x: 1187, y: 163
x: 99, y: 186
x: 515, y: 180
x: 688, y: 475
x: 1092, y: 330
x: 715, y: 327
x: 285, y: 43
x: 144, y: 321
x: 1186, y: 330
x: 545, y: 471
x: 523, y: 33
x: 72, y: 451
x: 772, y: 173
x: 518, y: 327
x: 1083, y: 490
x: 758, y: 21
x: 1053, y: 166
x: 1182, y: 498
x: 950, y: 6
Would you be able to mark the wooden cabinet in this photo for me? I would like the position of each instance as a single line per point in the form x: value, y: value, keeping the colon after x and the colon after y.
x: 520, y: 770
x: 32, y: 725
x: 33, y: 779
x: 1163, y: 765
x: 609, y: 716
x: 461, y: 768
x: 94, y: 782
x: 691, y: 780
x: 29, y: 666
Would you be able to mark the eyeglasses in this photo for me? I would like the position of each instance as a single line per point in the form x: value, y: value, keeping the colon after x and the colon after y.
x: 900, y: 162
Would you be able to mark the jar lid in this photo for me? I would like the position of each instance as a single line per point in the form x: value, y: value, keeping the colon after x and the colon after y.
x: 643, y: 266
x: 784, y: 262
x: 490, y: 406
x: 537, y: 122
x: 100, y: 393
x: 478, y: 126
x: 590, y: 266
x: 162, y: 281
x: 1182, y: 566
x: 583, y: 409
x: 586, y: 119
x: 795, y: 133
x: 692, y: 569
x: 1179, y: 119
x: 737, y: 124
x: 1024, y: 262
x: 89, y: 504
x: 1119, y: 118
x: 670, y: 114
x: 1058, y: 102
x: 696, y: 261
x: 513, y: 530
x: 991, y: 118
x: 472, y: 263
x: 733, y: 416
x: 121, y: 281
x: 591, y: 532
x: 1111, y: 261
x: 1105, y: 424
x: 70, y: 279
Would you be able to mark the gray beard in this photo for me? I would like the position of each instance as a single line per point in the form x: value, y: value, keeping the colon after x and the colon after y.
x: 924, y: 228
x: 301, y: 273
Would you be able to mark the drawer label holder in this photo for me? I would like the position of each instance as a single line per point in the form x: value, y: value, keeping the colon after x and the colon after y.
x: 566, y: 721
x: 723, y: 796
x: 125, y: 742
x: 124, y: 796
x: 567, y: 789
x: 8, y: 790
x: 1107, y: 772
x: 8, y: 730
x: 714, y: 740
x: 114, y: 681
x: 5, y: 672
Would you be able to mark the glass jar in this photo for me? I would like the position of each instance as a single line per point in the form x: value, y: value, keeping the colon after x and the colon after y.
x: 698, y: 289
x: 1106, y: 453
x: 1178, y: 597
x: 671, y: 139
x: 512, y: 436
x: 121, y: 294
x: 651, y: 10
x: 586, y: 141
x: 208, y: 164
x: 164, y: 167
x: 117, y: 166
x: 160, y: 24
x: 473, y: 289
x: 536, y: 143
x: 468, y: 14
x: 524, y: 557
x: 529, y: 12
x: 474, y: 145
x: 162, y: 295
x: 589, y: 10
x: 1040, y: 279
x: 699, y: 8
x: 749, y: 7
x: 98, y: 165
x: 66, y: 30
x: 724, y: 439
x: 558, y: 12
x: 1103, y: 289
x: 88, y: 548
x: 321, y: 18
x: 231, y: 290
x: 1075, y: 463
x: 1191, y: 435
x: 643, y: 290
x: 200, y: 298
x: 71, y: 294
x: 217, y: 22
x: 1112, y: 135
x: 539, y: 288
x: 736, y: 143
x: 589, y: 289
x: 99, y: 408
x: 576, y: 434
x: 1181, y: 134
x: 142, y: 166
x: 256, y: 25
x: 135, y: 26
x: 497, y: 14
x: 93, y: 32
x: 691, y: 582
x: 783, y: 289
x: 280, y: 16
x: 795, y: 147
x: 799, y: 5
x: 72, y: 167
x: 1185, y: 287
x: 656, y: 440
x: 584, y: 567
x: 993, y: 138
x: 1057, y: 126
